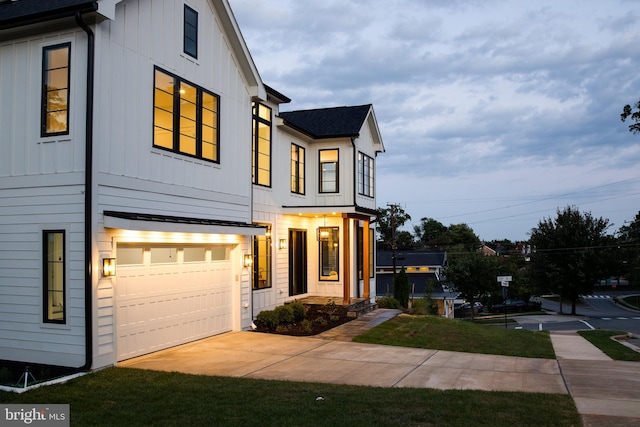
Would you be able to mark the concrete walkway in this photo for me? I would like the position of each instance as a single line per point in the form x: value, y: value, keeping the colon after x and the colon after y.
x: 605, y: 392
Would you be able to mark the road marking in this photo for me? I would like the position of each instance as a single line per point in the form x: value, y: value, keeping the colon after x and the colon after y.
x: 596, y: 296
x: 623, y: 318
x: 539, y: 326
x: 606, y: 318
x: 586, y: 323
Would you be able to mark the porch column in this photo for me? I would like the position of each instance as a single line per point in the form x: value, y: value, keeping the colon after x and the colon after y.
x: 365, y: 259
x: 346, y: 258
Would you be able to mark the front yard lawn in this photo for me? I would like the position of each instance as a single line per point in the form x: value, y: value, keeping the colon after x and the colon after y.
x: 132, y: 397
x: 602, y: 339
x: 456, y: 335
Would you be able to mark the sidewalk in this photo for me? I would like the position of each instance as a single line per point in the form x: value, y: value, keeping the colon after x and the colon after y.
x: 606, y: 392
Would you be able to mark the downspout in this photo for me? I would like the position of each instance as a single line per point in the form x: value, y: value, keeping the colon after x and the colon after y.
x: 88, y: 195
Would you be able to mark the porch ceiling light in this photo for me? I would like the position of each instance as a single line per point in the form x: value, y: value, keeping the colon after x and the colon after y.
x: 108, y: 267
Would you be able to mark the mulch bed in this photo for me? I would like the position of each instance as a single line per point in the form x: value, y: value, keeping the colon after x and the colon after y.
x: 319, y: 321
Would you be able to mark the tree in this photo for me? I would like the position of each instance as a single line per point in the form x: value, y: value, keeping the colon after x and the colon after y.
x: 401, y: 287
x: 463, y: 235
x: 431, y: 233
x: 628, y: 239
x: 472, y: 274
x: 389, y: 220
x: 570, y: 253
x: 628, y: 113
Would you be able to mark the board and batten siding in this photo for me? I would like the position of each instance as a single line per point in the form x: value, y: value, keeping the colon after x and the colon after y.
x: 41, y: 188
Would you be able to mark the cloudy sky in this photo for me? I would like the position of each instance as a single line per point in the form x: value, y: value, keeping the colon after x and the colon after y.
x: 493, y: 113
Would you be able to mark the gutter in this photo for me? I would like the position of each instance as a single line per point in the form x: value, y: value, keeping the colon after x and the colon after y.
x: 88, y: 195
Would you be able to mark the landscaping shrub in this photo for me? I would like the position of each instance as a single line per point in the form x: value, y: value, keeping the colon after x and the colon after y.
x: 267, y: 319
x: 299, y: 311
x: 285, y: 314
x: 401, y: 288
x: 388, y: 302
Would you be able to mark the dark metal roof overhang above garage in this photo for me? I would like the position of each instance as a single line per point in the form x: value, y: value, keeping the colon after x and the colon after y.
x: 176, y: 224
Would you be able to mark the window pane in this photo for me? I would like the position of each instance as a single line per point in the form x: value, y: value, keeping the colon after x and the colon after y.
x: 55, y: 90
x: 54, y: 276
x: 329, y: 256
x: 219, y: 253
x: 160, y: 255
x: 194, y: 254
x: 129, y: 255
x: 262, y: 261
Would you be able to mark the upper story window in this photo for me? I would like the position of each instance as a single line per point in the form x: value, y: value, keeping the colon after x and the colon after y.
x: 190, y: 31
x: 261, y: 151
x: 365, y: 175
x: 56, y: 62
x: 185, y: 117
x: 297, y: 169
x: 329, y: 171
x: 53, y: 258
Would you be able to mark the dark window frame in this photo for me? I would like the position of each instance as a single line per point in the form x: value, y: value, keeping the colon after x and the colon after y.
x: 256, y: 164
x: 260, y: 244
x: 176, y: 117
x: 366, y: 179
x: 190, y: 32
x: 329, y: 247
x: 44, y: 103
x: 321, y: 179
x: 46, y: 269
x: 298, y: 169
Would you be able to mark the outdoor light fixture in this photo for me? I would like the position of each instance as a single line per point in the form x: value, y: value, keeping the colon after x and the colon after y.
x: 282, y: 244
x: 108, y: 267
x: 247, y: 260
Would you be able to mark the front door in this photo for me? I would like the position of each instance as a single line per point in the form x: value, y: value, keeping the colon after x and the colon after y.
x: 297, y: 262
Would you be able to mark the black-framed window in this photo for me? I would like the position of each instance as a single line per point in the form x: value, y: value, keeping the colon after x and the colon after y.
x: 185, y: 117
x: 372, y: 253
x: 262, y: 260
x: 365, y: 175
x: 329, y: 170
x: 53, y: 274
x: 329, y: 253
x: 56, y: 71
x: 190, y: 32
x: 261, y: 151
x: 297, y: 169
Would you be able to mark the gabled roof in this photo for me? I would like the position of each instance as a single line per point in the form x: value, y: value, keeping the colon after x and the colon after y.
x: 328, y: 122
x: 16, y: 13
x: 411, y: 259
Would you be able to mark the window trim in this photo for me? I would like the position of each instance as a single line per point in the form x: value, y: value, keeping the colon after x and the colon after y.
x: 45, y: 277
x: 366, y: 178
x: 320, y: 172
x: 335, y: 231
x: 256, y: 165
x: 175, y: 130
x: 255, y: 282
x: 44, y: 91
x: 297, y: 177
x: 186, y: 23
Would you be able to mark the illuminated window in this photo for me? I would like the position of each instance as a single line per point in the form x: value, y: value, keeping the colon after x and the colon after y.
x: 328, y: 171
x: 329, y: 254
x: 185, y: 117
x: 297, y: 169
x: 262, y: 260
x: 261, y: 159
x: 54, y: 276
x: 55, y: 90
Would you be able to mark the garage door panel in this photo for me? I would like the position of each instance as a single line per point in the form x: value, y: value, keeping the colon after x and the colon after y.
x: 171, y: 305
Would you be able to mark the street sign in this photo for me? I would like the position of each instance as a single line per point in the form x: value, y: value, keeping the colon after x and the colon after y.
x: 505, y: 284
x: 505, y: 279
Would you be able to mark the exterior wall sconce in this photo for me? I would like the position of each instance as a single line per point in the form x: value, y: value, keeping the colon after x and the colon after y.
x: 108, y: 267
x: 282, y: 244
x: 324, y: 233
x: 247, y: 260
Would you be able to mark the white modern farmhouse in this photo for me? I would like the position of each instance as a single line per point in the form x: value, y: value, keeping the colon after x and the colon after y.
x: 152, y: 193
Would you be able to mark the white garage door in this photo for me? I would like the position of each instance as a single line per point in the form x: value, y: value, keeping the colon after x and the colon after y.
x: 171, y: 302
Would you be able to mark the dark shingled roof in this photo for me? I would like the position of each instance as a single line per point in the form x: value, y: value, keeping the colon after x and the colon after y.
x: 24, y: 12
x: 328, y: 122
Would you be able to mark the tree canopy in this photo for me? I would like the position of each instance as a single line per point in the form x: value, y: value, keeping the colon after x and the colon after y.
x: 571, y: 253
x: 629, y: 113
x: 389, y: 220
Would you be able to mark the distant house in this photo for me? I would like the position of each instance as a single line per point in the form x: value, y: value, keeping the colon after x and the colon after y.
x: 421, y: 267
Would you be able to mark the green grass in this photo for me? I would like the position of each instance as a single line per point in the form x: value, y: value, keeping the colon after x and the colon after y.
x: 131, y: 397
x: 456, y: 335
x: 632, y: 301
x: 602, y: 339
